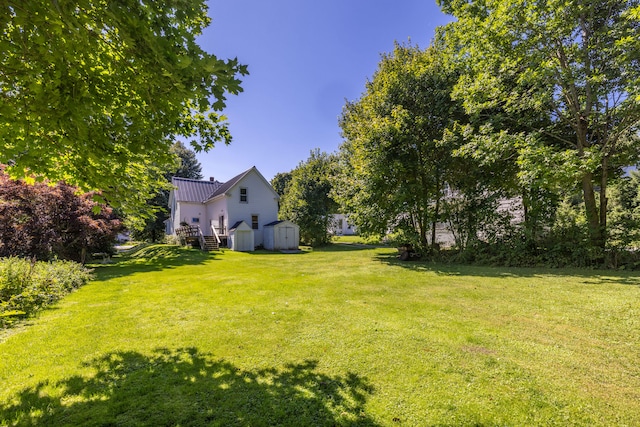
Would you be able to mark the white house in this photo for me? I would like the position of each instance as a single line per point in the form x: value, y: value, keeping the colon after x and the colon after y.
x: 340, y: 225
x: 215, y: 206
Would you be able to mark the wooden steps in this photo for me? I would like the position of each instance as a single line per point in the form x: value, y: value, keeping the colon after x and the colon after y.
x: 210, y: 243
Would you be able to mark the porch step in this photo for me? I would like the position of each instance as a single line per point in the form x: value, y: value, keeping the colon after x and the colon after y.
x: 210, y: 243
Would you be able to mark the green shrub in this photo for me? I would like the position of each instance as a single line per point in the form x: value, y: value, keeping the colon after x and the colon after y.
x: 26, y: 286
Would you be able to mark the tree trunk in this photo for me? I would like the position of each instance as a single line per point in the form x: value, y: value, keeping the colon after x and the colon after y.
x: 604, y: 201
x: 591, y: 211
x: 424, y: 228
x: 591, y: 208
x: 434, y: 223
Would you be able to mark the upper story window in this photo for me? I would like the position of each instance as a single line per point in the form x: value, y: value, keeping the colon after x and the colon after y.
x: 254, y: 222
x: 243, y: 195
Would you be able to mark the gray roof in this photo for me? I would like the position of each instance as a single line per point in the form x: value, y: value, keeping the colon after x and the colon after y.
x: 192, y: 190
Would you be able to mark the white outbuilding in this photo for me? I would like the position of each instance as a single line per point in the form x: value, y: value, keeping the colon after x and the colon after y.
x: 241, y: 237
x: 281, y: 235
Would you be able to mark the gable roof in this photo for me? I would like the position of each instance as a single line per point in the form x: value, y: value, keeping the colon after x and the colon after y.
x: 227, y: 185
x: 191, y: 190
x: 238, y: 224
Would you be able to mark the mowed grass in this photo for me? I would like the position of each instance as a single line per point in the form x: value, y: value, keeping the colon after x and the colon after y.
x: 339, y: 336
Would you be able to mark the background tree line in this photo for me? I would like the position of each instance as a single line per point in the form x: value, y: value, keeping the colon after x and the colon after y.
x: 515, y: 130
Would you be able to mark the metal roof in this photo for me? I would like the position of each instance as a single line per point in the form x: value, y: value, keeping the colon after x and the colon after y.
x: 192, y: 190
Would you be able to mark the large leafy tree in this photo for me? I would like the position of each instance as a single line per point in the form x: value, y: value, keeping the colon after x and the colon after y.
x: 280, y: 181
x: 396, y: 165
x: 577, y: 62
x: 93, y: 92
x: 307, y: 198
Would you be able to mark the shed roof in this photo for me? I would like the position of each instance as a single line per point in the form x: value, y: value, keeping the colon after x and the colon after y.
x: 238, y: 224
x: 274, y: 223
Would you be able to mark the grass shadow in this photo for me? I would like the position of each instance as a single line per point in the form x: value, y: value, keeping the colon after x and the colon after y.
x: 346, y: 247
x: 590, y: 276
x: 152, y: 258
x: 188, y: 388
x: 331, y: 247
x: 268, y: 252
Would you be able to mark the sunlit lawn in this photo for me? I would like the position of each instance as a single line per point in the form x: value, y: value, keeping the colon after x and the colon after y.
x: 341, y: 336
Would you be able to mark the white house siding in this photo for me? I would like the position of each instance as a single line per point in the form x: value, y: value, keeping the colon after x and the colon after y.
x: 512, y: 206
x: 188, y: 211
x: 261, y: 201
x: 215, y: 209
x: 340, y: 225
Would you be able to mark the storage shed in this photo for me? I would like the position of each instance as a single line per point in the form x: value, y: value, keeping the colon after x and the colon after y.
x: 281, y: 235
x: 241, y: 237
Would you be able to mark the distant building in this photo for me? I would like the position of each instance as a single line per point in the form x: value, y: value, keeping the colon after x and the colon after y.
x: 340, y: 225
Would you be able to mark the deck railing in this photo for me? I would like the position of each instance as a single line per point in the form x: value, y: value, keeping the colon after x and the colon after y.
x: 190, y: 233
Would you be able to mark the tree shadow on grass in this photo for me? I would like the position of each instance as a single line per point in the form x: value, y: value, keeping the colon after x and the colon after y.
x: 187, y: 388
x: 590, y: 276
x: 152, y: 258
x: 331, y: 247
x: 348, y: 247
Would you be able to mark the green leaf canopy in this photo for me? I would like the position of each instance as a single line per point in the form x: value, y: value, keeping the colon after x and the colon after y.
x: 94, y: 91
x: 575, y: 61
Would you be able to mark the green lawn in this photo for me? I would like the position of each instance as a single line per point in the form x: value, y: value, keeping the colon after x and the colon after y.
x: 340, y: 336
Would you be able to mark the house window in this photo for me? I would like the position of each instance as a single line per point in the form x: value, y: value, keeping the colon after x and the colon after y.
x: 195, y: 220
x: 243, y: 195
x: 254, y: 222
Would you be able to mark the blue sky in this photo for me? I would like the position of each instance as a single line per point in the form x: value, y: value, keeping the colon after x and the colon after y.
x: 305, y: 59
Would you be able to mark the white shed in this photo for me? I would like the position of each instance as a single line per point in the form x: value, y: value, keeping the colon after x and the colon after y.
x: 281, y: 235
x: 241, y: 237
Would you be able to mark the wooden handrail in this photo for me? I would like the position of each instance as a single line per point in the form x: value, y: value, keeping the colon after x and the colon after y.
x: 215, y: 233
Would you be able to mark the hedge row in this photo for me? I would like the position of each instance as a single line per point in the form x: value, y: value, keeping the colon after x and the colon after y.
x: 26, y: 286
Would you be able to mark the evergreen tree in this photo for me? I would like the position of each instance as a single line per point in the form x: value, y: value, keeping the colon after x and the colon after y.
x: 187, y: 166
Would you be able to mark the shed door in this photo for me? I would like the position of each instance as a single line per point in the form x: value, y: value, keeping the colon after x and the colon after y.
x: 286, y: 238
x: 244, y: 240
